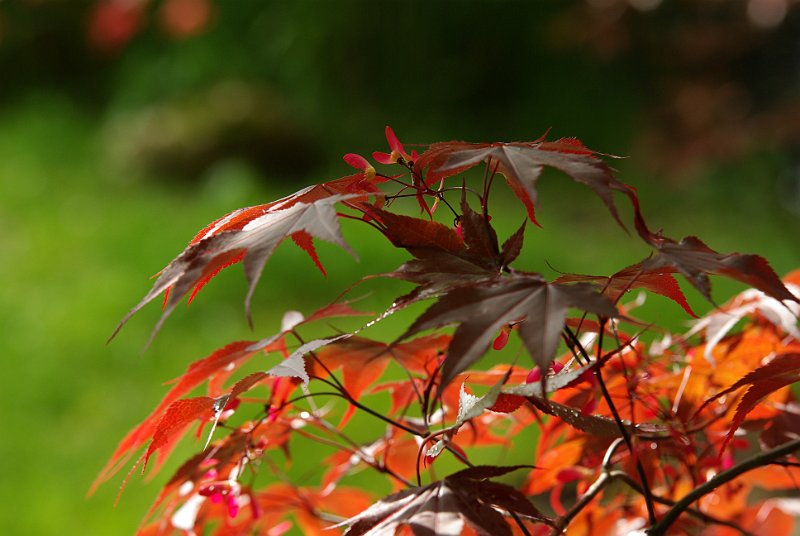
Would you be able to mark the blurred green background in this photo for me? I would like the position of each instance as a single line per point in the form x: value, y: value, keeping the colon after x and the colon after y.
x: 127, y: 125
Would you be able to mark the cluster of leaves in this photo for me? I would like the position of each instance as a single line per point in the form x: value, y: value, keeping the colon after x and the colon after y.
x: 632, y: 436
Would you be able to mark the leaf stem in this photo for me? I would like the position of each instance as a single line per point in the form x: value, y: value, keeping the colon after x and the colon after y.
x: 648, y: 494
x: 488, y: 178
x: 354, y: 449
x: 597, y: 486
x: 346, y: 395
x: 519, y: 523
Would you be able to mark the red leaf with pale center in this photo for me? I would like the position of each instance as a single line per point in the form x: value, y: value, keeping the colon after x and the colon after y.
x: 216, y: 368
x: 252, y: 234
x: 198, y: 372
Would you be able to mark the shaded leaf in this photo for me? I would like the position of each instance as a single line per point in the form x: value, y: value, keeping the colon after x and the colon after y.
x: 482, y: 472
x: 444, y: 507
x: 783, y: 427
x: 591, y: 424
x: 435, y: 273
x: 412, y: 233
x: 479, y: 236
x: 513, y: 245
x: 482, y: 309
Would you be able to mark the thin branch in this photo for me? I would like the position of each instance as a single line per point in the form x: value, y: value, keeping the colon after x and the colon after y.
x: 354, y: 449
x: 446, y: 441
x: 426, y: 400
x: 568, y: 340
x: 397, y: 180
x: 597, y: 486
x: 754, y: 462
x: 442, y: 198
x: 519, y: 523
x: 706, y: 518
x: 346, y: 395
x: 648, y: 498
x: 362, y: 220
x: 608, y: 476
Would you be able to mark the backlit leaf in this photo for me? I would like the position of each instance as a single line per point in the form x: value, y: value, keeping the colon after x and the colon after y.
x: 635, y: 277
x: 178, y: 416
x: 522, y: 164
x: 251, y: 235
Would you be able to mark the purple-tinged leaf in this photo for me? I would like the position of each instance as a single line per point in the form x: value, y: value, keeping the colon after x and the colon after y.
x: 513, y: 245
x: 443, y: 508
x: 695, y: 261
x: 482, y: 309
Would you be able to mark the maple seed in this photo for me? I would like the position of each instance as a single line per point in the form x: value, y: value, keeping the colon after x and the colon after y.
x: 502, y: 339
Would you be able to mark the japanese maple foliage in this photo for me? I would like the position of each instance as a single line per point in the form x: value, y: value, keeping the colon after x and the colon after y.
x: 638, y: 430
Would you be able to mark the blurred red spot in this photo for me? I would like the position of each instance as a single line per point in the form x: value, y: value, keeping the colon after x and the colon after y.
x: 185, y: 18
x: 113, y: 23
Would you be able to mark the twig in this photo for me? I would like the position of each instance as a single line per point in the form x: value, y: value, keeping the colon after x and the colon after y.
x: 519, y: 523
x: 598, y: 485
x: 707, y: 518
x: 344, y: 394
x: 381, y: 468
x: 754, y: 462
